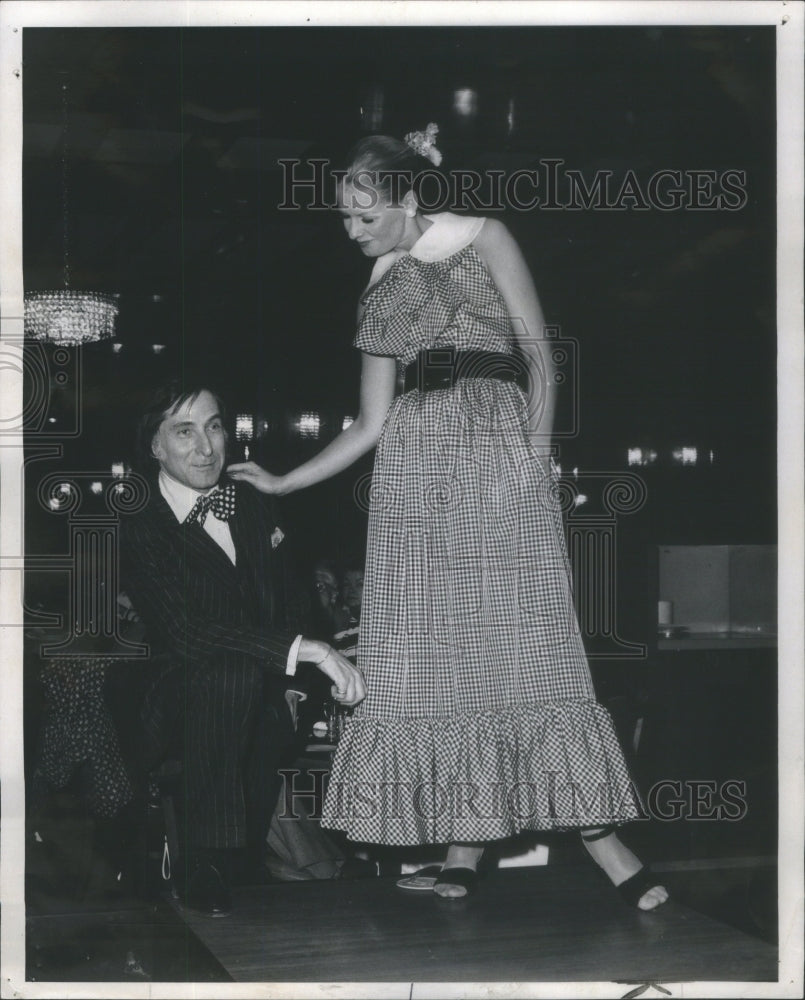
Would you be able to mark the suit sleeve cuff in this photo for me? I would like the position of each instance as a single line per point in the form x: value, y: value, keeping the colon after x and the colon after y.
x: 293, y: 653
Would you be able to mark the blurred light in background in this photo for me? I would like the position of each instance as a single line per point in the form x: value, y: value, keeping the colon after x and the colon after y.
x: 685, y: 455
x: 465, y: 102
x: 372, y: 109
x: 308, y: 425
x: 244, y: 427
x: 641, y: 456
x: 64, y: 490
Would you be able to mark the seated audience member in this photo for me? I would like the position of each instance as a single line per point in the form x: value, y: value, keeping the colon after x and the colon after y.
x: 346, y: 639
x: 329, y: 617
x: 331, y: 612
x: 203, y: 565
x: 352, y: 587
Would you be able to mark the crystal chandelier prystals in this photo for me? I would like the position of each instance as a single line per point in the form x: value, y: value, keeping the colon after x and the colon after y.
x: 66, y: 316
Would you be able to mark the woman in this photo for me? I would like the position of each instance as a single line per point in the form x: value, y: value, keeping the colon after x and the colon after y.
x: 480, y: 718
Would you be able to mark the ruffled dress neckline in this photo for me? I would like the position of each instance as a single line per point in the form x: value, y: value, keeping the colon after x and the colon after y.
x: 447, y: 235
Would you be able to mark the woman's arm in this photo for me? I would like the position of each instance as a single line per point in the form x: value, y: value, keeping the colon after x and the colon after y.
x: 378, y: 382
x: 500, y: 253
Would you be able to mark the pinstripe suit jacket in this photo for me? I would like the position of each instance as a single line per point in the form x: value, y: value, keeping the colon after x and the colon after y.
x: 196, y: 605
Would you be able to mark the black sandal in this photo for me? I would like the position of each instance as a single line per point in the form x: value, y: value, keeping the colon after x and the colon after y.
x: 467, y: 878
x: 636, y: 886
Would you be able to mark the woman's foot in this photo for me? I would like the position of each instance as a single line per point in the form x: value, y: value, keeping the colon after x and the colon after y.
x: 458, y: 856
x: 619, y: 864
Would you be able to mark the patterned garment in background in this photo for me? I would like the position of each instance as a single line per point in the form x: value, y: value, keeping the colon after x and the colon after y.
x: 346, y: 640
x: 480, y: 719
x: 78, y: 732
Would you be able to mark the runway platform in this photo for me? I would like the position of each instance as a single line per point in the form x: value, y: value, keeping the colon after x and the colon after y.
x: 544, y: 924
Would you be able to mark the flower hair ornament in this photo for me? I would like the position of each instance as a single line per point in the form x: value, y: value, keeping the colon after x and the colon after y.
x: 423, y: 143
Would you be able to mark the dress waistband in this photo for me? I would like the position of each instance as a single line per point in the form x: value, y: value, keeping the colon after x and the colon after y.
x: 442, y: 367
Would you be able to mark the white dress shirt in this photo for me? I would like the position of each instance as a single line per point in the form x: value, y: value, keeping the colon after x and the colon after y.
x: 181, y: 499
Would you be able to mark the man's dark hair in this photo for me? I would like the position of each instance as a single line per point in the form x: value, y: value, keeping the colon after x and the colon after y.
x: 353, y: 560
x: 167, y: 399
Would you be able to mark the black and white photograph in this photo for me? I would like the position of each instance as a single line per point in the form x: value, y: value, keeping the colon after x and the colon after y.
x: 401, y: 464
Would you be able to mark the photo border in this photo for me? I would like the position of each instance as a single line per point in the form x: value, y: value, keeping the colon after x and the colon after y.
x: 788, y: 18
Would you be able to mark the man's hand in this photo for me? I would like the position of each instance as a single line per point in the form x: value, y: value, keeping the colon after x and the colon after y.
x: 349, y: 687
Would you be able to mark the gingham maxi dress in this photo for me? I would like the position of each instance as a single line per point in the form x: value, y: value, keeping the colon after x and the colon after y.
x: 480, y: 719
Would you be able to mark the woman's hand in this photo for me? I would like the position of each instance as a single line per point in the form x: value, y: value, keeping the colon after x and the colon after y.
x: 378, y: 381
x: 256, y: 476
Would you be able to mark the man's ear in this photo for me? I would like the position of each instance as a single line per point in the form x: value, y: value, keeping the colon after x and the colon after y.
x: 156, y: 448
x: 410, y: 204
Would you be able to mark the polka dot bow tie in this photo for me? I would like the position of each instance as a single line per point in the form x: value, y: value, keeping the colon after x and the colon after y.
x: 221, y: 503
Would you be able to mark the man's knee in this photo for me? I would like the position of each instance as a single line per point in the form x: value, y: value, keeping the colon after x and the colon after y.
x: 231, y: 683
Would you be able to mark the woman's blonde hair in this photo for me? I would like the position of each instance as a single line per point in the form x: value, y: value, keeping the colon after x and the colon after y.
x: 387, y: 165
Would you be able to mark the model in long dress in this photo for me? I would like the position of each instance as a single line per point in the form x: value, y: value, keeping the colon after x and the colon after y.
x: 480, y: 719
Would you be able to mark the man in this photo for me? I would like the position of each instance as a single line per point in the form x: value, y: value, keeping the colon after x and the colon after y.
x: 352, y: 588
x: 203, y: 566
x: 325, y: 583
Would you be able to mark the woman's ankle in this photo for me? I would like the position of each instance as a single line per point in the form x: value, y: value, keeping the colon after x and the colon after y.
x: 464, y: 855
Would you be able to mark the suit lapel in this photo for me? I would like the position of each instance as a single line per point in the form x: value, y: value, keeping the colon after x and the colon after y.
x: 254, y: 555
x: 258, y: 573
x: 197, y: 544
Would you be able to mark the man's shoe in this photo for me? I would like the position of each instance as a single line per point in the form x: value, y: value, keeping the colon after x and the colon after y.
x: 206, y: 891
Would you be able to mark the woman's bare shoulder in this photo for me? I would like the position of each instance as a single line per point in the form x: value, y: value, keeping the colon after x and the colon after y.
x: 492, y: 235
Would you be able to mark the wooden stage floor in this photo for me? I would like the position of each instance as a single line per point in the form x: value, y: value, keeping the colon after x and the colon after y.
x: 544, y: 924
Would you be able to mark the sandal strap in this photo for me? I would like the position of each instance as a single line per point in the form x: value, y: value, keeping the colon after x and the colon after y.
x: 599, y: 834
x: 637, y: 885
x: 467, y: 878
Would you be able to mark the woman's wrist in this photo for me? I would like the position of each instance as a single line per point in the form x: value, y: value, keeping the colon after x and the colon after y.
x: 285, y: 484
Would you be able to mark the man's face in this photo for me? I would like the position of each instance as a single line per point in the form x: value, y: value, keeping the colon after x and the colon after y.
x: 326, y: 586
x: 190, y: 444
x: 352, y: 589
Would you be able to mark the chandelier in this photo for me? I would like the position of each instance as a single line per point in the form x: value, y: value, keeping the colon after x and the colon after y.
x: 69, y: 317
x: 65, y: 316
